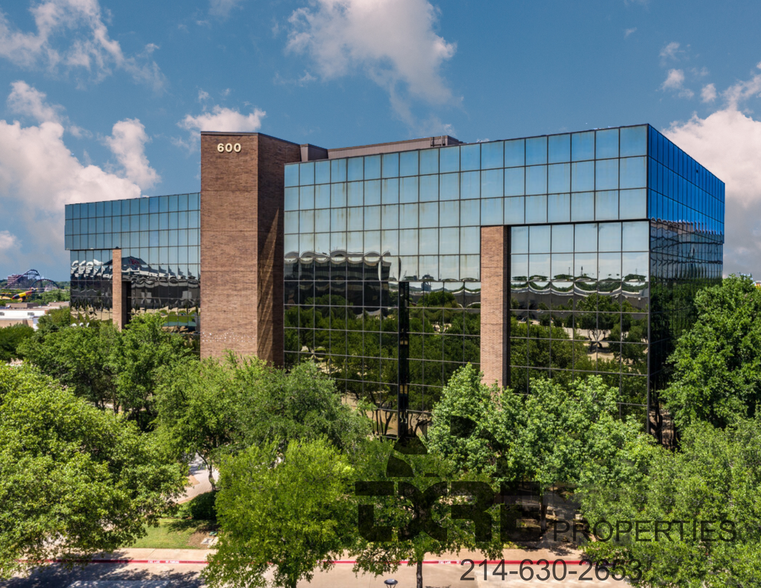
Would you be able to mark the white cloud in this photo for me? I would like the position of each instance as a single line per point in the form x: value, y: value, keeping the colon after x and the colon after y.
x: 671, y: 51
x: 675, y: 82
x: 392, y: 41
x: 708, y: 93
x: 223, y: 119
x: 222, y: 8
x: 8, y: 241
x: 629, y: 32
x: 72, y: 36
x: 29, y: 101
x: 127, y: 143
x: 38, y: 175
x: 203, y: 95
x: 728, y: 143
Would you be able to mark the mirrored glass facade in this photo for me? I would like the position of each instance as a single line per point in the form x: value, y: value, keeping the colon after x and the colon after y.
x: 606, y: 226
x: 160, y: 241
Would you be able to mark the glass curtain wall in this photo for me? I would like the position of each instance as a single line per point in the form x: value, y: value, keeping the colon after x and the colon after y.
x: 160, y: 241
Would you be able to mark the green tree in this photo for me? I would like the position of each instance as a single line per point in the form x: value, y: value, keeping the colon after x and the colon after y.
x: 704, y: 499
x: 552, y: 435
x: 717, y: 363
x: 55, y: 320
x: 10, y: 340
x: 74, y: 480
x: 285, y: 510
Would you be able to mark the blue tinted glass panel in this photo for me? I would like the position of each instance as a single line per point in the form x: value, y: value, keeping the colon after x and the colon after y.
x: 322, y: 196
x: 408, y: 189
x: 519, y: 240
x: 450, y: 159
x: 635, y: 236
x: 539, y: 239
x: 583, y: 146
x: 408, y: 163
x: 634, y: 141
x: 390, y: 165
x: 514, y: 181
x: 491, y: 183
x: 338, y: 194
x: 372, y: 167
x: 536, y: 209
x: 372, y: 192
x: 606, y: 205
x: 582, y: 206
x: 429, y: 161
x: 470, y: 157
x: 306, y: 174
x: 390, y: 191
x: 560, y: 148
x: 515, y: 153
x: 515, y: 209
x: 306, y: 197
x: 607, y: 144
x: 634, y: 172
x: 492, y: 155
x: 449, y: 213
x: 583, y: 176
x: 355, y: 168
x: 338, y: 170
x: 607, y: 174
x: 633, y: 204
x: 470, y: 185
x: 536, y: 151
x: 536, y: 180
x: 322, y: 172
x: 559, y: 208
x: 429, y: 188
x: 355, y: 193
x: 450, y: 186
x: 559, y: 177
x: 491, y: 211
x: 470, y: 213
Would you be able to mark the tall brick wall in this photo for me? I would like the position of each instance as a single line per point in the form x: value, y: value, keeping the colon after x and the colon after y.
x: 242, y: 244
x: 119, y: 303
x: 495, y: 304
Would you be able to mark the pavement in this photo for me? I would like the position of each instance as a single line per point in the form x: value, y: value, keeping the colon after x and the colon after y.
x: 165, y: 568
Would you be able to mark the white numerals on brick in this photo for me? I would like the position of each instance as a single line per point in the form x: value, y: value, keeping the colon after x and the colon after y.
x: 228, y: 147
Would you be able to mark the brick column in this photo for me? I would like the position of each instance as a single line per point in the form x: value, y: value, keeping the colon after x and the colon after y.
x: 242, y: 198
x: 495, y: 304
x: 119, y: 291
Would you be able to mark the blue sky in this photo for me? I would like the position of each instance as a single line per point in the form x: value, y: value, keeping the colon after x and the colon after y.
x: 102, y: 100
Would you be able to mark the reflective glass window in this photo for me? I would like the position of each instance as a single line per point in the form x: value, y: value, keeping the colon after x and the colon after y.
x: 470, y: 185
x: 322, y: 220
x: 606, y: 174
x: 583, y: 146
x: 585, y: 266
x: 634, y: 172
x: 355, y: 218
x: 559, y: 177
x: 519, y: 240
x: 390, y: 191
x: 408, y: 189
x: 429, y: 161
x: 429, y: 188
x: 372, y: 218
x: 636, y: 236
x: 338, y: 194
x: 561, y: 267
x: 450, y: 186
x: 609, y: 266
x: 634, y: 266
x: 449, y: 159
x: 372, y: 242
x: 514, y: 181
x: 322, y: 196
x: 390, y: 165
x: 449, y: 213
x: 634, y: 141
x: 338, y: 170
x: 306, y: 222
x: 449, y: 241
x: 560, y: 148
x: 470, y: 157
x: 408, y: 216
x: 408, y: 242
x: 491, y: 183
x: 515, y: 210
x: 372, y: 192
x: 606, y: 205
x: 372, y: 167
x: 562, y: 238
x: 633, y: 204
x: 355, y: 168
x: 408, y: 163
x: 583, y: 176
x: 586, y: 237
x: 536, y: 151
x: 515, y: 153
x: 470, y: 213
x: 607, y: 144
x: 609, y: 236
x: 536, y: 180
x: 390, y: 216
x: 306, y: 197
x: 338, y: 219
x: 492, y: 155
x: 470, y: 240
x: 539, y: 239
x: 355, y: 193
x: 559, y: 208
x: 536, y: 209
x: 390, y: 242
x: 306, y: 174
x: 491, y: 211
x: 429, y: 214
x: 429, y: 242
x: 322, y: 172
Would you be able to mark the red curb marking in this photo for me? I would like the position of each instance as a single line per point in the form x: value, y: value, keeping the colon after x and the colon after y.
x: 509, y: 562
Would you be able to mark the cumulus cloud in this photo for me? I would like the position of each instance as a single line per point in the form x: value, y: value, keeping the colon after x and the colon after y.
x: 28, y: 101
x: 629, y: 32
x: 708, y: 93
x: 224, y: 119
x: 71, y: 35
x: 671, y: 51
x: 728, y: 142
x: 392, y: 41
x: 675, y: 83
x: 127, y: 143
x: 222, y: 8
x: 38, y: 176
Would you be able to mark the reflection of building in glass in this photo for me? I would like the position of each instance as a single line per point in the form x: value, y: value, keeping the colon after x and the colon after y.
x: 548, y: 257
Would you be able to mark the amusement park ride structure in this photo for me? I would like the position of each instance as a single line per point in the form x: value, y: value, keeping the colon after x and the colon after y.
x: 30, y: 282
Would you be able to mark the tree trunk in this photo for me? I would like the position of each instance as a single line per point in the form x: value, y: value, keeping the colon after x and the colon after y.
x: 419, y: 574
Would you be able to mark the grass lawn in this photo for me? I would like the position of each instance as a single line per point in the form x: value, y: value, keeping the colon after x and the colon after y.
x: 177, y: 534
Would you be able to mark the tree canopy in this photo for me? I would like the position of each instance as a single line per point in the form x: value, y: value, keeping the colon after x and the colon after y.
x: 717, y: 363
x: 73, y: 479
